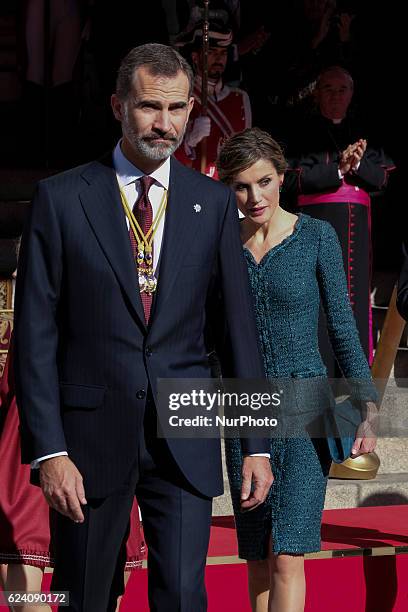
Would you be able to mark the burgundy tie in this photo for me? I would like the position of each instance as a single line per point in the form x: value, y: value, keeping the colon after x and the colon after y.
x: 143, y: 212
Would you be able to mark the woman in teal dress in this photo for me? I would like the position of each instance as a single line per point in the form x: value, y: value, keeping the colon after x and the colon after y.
x: 294, y: 262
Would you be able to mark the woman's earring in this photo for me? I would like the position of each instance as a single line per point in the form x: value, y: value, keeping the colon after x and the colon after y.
x: 280, y: 188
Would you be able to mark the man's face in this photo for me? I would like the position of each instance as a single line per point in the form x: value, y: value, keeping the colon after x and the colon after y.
x: 154, y: 115
x: 333, y: 95
x: 217, y: 61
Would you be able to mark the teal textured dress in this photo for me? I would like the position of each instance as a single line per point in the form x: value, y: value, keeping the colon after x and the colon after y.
x: 287, y: 286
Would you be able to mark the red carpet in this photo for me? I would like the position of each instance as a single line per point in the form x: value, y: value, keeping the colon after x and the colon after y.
x: 366, y: 569
x: 341, y: 530
x: 376, y: 584
x: 363, y: 566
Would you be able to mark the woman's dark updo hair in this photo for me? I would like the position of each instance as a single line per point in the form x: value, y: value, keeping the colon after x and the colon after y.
x: 246, y: 148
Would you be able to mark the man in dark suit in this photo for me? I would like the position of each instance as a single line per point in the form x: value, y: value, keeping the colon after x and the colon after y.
x: 93, y: 336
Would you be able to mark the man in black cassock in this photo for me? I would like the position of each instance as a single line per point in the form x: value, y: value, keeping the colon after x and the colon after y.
x: 337, y: 169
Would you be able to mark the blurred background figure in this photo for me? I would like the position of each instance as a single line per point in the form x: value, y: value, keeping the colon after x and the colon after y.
x: 228, y: 108
x: 339, y: 164
x: 53, y: 41
x: 321, y: 35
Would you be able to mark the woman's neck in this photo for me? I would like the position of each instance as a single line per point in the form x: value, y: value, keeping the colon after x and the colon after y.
x: 263, y: 234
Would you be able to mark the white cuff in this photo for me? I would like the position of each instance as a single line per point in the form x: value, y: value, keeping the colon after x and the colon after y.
x: 36, y: 463
x: 268, y: 455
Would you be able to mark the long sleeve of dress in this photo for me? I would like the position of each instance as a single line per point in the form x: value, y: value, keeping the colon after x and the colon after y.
x: 341, y: 325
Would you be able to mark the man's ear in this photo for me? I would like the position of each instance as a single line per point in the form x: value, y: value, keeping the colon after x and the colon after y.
x: 190, y: 106
x: 117, y: 107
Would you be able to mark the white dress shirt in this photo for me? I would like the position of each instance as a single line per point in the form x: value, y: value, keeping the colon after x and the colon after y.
x: 128, y: 175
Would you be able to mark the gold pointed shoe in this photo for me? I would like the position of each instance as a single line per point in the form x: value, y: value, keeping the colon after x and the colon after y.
x: 364, y: 467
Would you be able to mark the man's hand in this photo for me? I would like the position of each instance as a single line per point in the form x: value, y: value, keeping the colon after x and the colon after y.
x: 346, y: 158
x: 359, y: 149
x: 256, y: 471
x: 61, y: 483
x: 352, y: 156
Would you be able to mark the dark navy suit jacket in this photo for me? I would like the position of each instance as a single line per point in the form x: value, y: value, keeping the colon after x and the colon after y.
x: 83, y: 353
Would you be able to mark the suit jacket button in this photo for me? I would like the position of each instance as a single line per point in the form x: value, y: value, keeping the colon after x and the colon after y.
x: 141, y: 394
x: 148, y: 351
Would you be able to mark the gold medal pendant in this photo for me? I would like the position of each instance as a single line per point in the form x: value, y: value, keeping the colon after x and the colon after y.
x: 151, y: 283
x: 142, y: 279
x: 147, y: 280
x: 144, y: 257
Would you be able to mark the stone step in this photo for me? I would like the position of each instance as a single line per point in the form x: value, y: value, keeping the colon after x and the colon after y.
x: 393, y: 455
x: 390, y: 487
x: 384, y: 490
x: 222, y: 505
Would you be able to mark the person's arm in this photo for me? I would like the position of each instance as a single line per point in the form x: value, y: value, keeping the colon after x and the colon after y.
x: 37, y: 462
x: 316, y: 173
x: 344, y: 337
x: 240, y: 355
x: 35, y: 330
x: 374, y: 169
x: 244, y: 358
x: 36, y: 340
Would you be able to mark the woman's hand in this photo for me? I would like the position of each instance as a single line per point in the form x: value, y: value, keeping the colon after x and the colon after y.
x: 366, y: 436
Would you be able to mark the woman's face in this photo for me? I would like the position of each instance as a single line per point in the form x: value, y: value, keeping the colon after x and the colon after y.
x: 257, y: 191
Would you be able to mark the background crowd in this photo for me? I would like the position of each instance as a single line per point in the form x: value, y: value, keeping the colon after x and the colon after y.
x: 58, y: 63
x: 271, y: 65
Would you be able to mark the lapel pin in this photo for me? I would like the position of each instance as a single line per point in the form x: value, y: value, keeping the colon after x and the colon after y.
x: 197, y: 208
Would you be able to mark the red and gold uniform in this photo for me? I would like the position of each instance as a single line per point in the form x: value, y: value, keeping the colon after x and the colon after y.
x: 229, y: 110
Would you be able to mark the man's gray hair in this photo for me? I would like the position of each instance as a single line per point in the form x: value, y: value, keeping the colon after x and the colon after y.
x: 159, y: 60
x: 335, y: 70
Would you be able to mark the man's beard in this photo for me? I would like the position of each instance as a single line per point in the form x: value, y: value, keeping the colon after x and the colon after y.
x: 216, y: 71
x: 145, y: 145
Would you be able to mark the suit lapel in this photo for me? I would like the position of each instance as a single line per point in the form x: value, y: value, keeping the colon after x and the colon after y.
x: 103, y: 208
x: 181, y: 226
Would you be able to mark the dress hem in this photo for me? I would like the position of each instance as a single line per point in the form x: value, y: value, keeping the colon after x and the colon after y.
x: 283, y: 551
x: 27, y: 557
x: 43, y: 560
